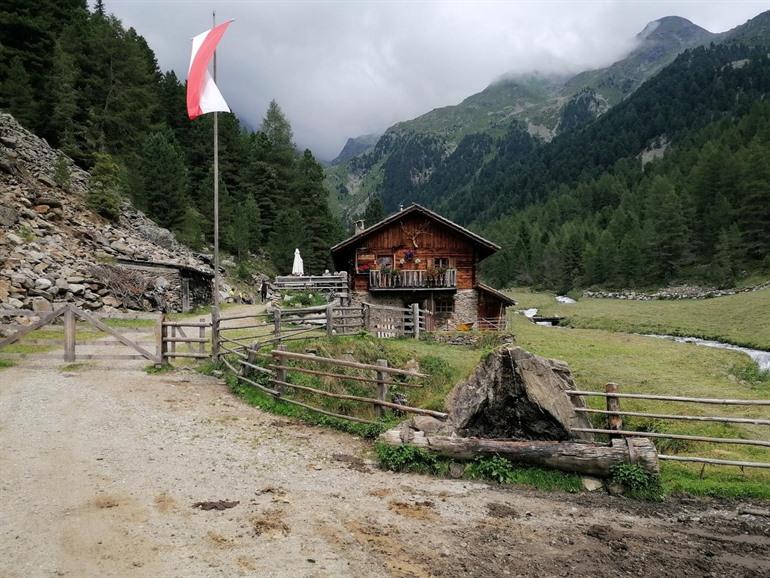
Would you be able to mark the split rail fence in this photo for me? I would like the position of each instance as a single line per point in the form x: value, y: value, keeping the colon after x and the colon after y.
x: 614, y: 424
x: 281, y: 368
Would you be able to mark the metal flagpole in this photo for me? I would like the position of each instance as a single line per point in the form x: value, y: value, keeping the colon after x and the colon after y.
x: 216, y: 185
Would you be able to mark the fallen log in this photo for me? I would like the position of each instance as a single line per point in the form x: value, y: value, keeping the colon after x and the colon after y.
x: 578, y: 457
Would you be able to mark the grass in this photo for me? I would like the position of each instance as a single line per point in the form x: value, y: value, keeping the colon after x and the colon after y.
x: 6, y: 363
x: 646, y: 365
x: 741, y: 319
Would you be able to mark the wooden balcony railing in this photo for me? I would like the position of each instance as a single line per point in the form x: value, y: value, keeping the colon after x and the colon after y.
x: 413, y: 279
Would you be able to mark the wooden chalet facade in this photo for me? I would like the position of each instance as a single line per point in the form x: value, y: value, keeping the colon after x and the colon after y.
x: 418, y: 256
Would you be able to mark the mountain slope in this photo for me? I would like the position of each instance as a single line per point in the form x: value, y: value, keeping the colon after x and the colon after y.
x: 584, y: 210
x: 411, y: 153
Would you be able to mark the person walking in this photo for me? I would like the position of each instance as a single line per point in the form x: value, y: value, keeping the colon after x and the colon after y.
x: 263, y: 291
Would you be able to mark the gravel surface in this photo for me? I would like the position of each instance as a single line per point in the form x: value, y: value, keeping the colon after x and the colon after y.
x: 107, y: 472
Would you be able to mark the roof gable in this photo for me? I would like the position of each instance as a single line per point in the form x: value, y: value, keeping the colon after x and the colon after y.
x: 488, y: 246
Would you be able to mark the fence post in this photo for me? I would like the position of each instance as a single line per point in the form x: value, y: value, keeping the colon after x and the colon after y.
x: 202, y: 335
x: 277, y: 321
x: 69, y: 334
x: 280, y: 374
x: 164, y: 341
x: 172, y: 342
x: 215, y: 333
x: 330, y: 320
x: 614, y: 421
x: 416, y: 319
x: 382, y: 387
x: 159, y: 339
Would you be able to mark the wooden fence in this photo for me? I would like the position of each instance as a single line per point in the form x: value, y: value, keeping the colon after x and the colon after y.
x: 336, y: 285
x: 614, y: 425
x: 284, y: 364
x: 174, y: 336
x: 385, y: 321
x: 69, y: 315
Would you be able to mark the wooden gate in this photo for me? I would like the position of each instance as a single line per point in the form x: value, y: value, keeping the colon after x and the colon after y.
x: 70, y: 314
x: 385, y: 321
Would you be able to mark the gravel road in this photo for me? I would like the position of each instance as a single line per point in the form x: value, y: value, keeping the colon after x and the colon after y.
x: 100, y: 471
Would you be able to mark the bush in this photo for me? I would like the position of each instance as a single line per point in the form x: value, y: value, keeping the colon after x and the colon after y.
x: 61, y: 172
x: 637, y: 482
x: 303, y: 299
x: 411, y: 459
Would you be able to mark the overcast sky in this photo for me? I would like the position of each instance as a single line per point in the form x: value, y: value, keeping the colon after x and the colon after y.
x: 347, y: 68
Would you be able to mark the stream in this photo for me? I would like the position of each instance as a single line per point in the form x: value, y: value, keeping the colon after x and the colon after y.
x: 761, y: 358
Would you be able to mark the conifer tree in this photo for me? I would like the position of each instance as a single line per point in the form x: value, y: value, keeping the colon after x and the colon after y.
x: 162, y: 183
x: 17, y: 96
x: 754, y: 213
x: 104, y: 188
x: 374, y: 212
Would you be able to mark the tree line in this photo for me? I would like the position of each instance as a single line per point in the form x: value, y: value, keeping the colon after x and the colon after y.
x: 702, y: 212
x: 94, y: 89
x: 588, y: 209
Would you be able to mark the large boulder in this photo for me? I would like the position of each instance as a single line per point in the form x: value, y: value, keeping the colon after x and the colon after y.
x: 513, y: 393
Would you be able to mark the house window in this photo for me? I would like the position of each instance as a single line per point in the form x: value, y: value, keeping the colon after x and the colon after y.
x: 444, y: 305
x: 441, y: 262
x: 385, y: 261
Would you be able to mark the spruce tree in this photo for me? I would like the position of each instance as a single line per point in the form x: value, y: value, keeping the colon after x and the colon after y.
x: 17, y: 96
x: 374, y: 212
x: 104, y: 188
x: 754, y: 213
x: 288, y: 234
x: 162, y: 183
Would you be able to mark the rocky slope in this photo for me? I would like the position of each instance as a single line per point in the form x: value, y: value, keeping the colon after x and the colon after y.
x: 52, y: 246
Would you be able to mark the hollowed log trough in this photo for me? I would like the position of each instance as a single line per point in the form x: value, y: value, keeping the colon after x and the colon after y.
x: 515, y: 406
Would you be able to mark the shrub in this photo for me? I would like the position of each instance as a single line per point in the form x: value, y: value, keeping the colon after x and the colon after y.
x: 637, y: 482
x: 410, y: 459
x: 61, y: 172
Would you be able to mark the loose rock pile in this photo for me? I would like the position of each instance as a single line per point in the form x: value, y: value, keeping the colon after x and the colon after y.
x: 51, y: 243
x: 678, y: 292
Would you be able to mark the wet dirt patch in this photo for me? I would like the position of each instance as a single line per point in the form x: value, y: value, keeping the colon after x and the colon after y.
x: 165, y: 503
x: 270, y: 524
x: 497, y: 510
x: 381, y: 492
x: 418, y: 510
x: 106, y: 502
x: 353, y: 462
x: 216, y: 505
x: 219, y: 540
x: 385, y: 545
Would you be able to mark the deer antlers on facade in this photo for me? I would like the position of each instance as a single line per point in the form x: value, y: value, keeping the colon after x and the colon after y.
x: 414, y: 234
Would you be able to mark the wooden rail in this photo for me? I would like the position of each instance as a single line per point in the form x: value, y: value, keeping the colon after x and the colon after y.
x: 412, y: 279
x: 614, y: 427
x: 673, y: 398
x: 345, y: 363
x: 278, y: 374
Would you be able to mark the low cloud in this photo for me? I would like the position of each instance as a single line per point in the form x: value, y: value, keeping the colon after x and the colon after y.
x: 341, y: 69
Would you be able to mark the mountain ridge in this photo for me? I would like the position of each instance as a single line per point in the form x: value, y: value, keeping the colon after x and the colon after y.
x: 409, y: 152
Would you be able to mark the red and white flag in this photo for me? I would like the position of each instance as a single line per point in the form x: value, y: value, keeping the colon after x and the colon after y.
x: 202, y: 94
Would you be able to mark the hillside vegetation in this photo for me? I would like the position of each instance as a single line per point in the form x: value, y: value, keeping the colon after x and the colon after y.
x: 93, y: 89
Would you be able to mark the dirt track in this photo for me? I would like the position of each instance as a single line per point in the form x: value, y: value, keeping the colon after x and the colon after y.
x: 99, y: 471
